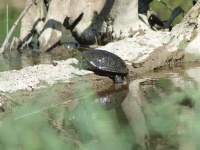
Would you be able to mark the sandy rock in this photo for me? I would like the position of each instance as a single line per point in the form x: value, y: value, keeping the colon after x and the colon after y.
x: 138, y: 48
x: 30, y: 77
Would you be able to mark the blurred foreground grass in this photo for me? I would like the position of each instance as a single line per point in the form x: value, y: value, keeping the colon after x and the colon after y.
x: 39, y: 122
x: 43, y: 121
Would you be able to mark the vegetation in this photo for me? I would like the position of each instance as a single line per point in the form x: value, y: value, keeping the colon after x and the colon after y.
x: 13, y: 14
x: 164, y: 12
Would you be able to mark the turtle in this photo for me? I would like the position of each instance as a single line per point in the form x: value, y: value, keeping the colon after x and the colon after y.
x: 106, y: 63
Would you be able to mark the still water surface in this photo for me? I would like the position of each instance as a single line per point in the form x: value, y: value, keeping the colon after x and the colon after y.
x: 155, y: 112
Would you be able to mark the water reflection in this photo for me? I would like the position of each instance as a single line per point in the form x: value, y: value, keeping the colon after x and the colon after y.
x: 162, y: 112
x: 8, y: 61
x: 14, y: 60
x: 155, y: 113
x: 96, y: 122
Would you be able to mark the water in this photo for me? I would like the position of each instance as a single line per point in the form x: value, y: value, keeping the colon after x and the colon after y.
x: 156, y: 112
x: 14, y: 60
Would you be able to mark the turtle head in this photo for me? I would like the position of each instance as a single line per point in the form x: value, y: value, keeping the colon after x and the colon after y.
x: 121, y: 80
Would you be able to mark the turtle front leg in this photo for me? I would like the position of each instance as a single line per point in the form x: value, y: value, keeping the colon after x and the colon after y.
x: 118, y: 79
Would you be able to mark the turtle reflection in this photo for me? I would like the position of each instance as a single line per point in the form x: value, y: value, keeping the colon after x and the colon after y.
x: 92, y: 119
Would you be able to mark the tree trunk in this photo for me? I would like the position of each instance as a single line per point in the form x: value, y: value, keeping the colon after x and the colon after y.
x: 31, y: 23
x: 92, y: 22
x: 51, y: 33
x: 125, y: 16
x: 105, y: 21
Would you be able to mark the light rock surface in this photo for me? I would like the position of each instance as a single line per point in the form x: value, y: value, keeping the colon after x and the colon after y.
x: 30, y: 77
x: 138, y: 48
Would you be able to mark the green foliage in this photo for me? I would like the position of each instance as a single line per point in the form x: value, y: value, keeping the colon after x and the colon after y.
x: 28, y: 127
x: 13, y: 14
x: 164, y: 13
x: 32, y: 133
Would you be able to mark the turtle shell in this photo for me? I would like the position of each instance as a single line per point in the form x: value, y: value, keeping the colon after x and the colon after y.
x: 102, y: 60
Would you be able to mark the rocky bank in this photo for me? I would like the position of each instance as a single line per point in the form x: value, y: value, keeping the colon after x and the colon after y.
x: 145, y: 51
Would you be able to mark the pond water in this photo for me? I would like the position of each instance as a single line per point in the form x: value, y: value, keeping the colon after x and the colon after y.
x: 155, y: 112
x: 12, y: 59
